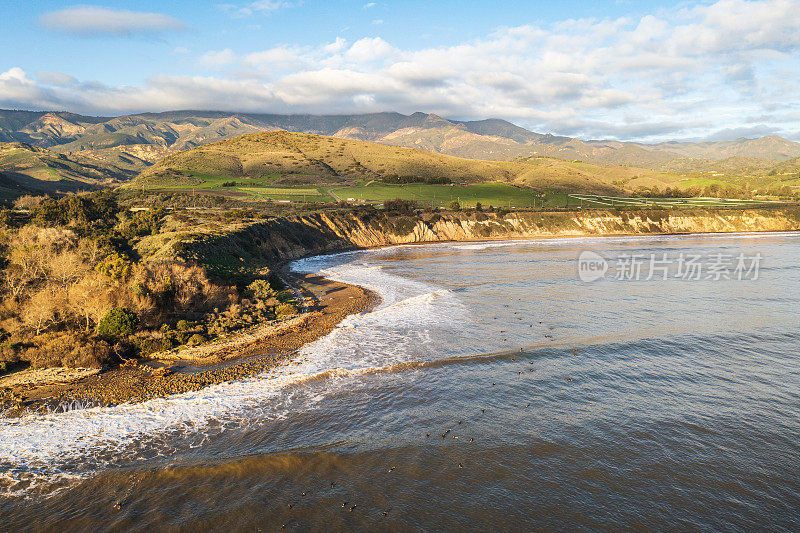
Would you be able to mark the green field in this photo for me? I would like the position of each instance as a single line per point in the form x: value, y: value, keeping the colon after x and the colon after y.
x: 257, y: 188
x: 488, y: 194
x: 591, y: 200
x: 299, y: 194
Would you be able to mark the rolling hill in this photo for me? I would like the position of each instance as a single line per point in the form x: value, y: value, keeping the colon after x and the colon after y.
x: 134, y: 142
x: 282, y: 159
x: 26, y: 169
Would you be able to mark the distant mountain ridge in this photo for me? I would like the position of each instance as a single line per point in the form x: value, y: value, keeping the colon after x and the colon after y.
x: 134, y: 142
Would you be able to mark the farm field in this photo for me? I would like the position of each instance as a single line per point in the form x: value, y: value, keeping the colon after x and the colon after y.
x: 488, y: 194
x: 591, y: 200
x: 261, y: 188
x: 294, y: 188
x: 294, y: 194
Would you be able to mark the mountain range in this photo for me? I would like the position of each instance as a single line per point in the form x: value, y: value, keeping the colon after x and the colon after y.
x: 77, y: 151
x: 133, y: 142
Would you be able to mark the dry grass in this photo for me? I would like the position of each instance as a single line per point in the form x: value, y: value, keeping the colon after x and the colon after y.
x: 315, y: 159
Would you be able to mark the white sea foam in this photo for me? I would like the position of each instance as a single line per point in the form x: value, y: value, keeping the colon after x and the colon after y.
x: 39, y: 448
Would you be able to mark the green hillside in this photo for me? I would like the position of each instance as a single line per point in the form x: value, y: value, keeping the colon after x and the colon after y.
x: 26, y: 169
x: 265, y: 165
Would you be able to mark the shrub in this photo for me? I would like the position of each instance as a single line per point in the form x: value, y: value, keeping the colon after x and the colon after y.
x: 196, y: 339
x: 151, y: 344
x: 260, y: 289
x: 118, y: 322
x: 115, y: 266
x: 484, y: 231
x: 285, y: 309
x: 183, y: 325
x: 478, y: 207
x: 68, y: 350
x: 9, y: 353
x: 28, y: 202
x: 403, y: 225
x: 92, y: 353
x: 454, y: 206
x: 400, y: 206
x: 140, y: 223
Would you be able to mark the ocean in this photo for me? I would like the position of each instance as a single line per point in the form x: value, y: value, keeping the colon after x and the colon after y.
x: 494, y: 388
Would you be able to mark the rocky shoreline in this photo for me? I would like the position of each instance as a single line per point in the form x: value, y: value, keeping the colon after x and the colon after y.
x: 328, y: 302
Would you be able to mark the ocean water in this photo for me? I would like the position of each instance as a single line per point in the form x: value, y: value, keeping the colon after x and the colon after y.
x: 492, y: 389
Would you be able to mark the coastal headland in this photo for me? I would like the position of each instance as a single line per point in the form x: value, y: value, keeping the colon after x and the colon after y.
x: 324, y: 303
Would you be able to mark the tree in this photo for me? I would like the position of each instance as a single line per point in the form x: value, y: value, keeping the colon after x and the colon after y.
x: 42, y: 310
x: 89, y: 298
x: 118, y: 322
x: 400, y: 206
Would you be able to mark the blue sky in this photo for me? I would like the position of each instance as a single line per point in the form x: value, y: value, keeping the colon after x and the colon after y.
x: 625, y: 70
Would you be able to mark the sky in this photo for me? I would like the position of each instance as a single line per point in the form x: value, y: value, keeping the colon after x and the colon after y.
x: 627, y: 70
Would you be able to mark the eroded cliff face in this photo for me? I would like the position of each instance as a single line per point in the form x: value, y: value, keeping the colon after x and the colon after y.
x: 285, y: 239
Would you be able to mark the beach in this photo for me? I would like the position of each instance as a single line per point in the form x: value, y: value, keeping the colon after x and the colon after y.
x: 239, y: 356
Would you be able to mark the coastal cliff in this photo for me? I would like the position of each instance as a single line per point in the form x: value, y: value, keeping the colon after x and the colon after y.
x: 283, y: 239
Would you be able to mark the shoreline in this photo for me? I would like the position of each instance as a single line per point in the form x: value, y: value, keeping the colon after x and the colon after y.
x: 243, y: 355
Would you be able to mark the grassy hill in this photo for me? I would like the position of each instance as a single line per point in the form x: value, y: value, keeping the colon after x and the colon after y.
x: 301, y: 158
x: 26, y: 169
x: 283, y: 165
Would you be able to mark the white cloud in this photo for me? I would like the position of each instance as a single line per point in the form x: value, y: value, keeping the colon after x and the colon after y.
x: 728, y: 66
x: 369, y: 49
x: 335, y: 47
x: 90, y: 20
x: 56, y: 78
x: 268, y: 5
x: 730, y: 25
x: 282, y: 57
x: 217, y: 58
x: 259, y: 6
x: 369, y: 5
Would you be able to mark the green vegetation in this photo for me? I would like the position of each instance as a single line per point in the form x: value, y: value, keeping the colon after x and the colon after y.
x: 85, y: 282
x: 263, y: 164
x: 132, y: 143
x: 661, y: 202
x: 487, y: 194
x: 706, y: 182
x: 118, y: 322
x: 295, y: 167
x: 182, y: 254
